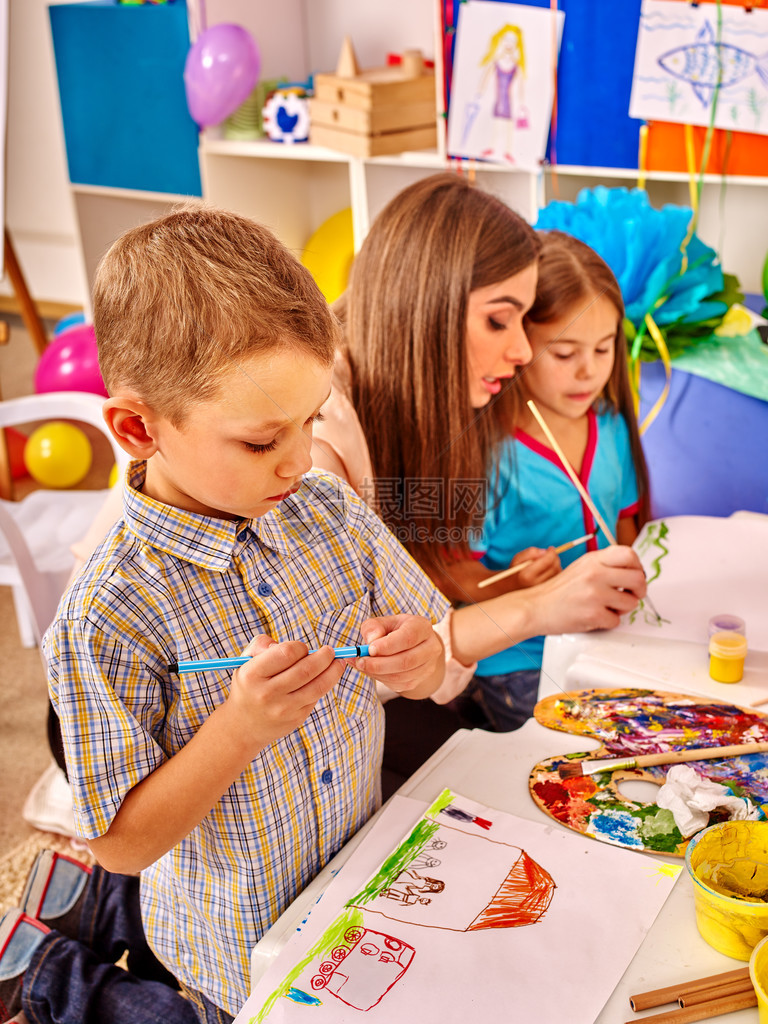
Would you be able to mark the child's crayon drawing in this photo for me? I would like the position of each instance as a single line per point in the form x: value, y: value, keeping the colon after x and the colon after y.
x: 700, y: 62
x: 457, y: 915
x: 503, y: 82
x: 642, y: 722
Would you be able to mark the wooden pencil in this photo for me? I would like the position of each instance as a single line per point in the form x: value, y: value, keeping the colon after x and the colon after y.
x: 713, y: 1008
x: 671, y: 993
x: 497, y: 577
x: 706, y: 995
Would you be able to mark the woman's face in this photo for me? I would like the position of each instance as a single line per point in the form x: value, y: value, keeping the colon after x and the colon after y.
x: 496, y: 341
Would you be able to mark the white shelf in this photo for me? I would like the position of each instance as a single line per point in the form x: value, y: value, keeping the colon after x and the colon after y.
x: 676, y: 176
x: 294, y: 188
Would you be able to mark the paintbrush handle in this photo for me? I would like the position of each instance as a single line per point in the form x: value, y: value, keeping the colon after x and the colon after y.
x: 700, y: 754
x: 571, y: 472
x: 497, y: 577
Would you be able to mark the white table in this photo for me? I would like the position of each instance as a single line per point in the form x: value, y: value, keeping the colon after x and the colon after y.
x: 493, y: 769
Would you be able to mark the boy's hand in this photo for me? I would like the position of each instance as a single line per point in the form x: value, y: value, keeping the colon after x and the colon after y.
x: 406, y: 654
x: 544, y: 565
x: 277, y: 689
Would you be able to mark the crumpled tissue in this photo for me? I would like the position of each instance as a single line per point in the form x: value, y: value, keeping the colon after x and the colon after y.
x: 690, y: 797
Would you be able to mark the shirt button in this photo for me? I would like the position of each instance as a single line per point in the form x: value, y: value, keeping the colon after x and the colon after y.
x: 264, y: 589
x: 327, y: 776
x: 242, y: 536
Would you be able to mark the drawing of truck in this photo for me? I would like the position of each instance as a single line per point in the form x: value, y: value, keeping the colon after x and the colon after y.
x: 365, y: 968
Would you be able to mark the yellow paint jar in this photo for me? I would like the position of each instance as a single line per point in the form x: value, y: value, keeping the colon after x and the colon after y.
x: 728, y: 865
x: 727, y: 652
x: 758, y: 974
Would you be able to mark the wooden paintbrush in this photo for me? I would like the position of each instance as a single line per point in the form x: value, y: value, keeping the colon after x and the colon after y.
x: 497, y: 577
x: 575, y: 769
x: 585, y: 496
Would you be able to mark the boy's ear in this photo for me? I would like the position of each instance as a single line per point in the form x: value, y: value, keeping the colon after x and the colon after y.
x: 131, y: 423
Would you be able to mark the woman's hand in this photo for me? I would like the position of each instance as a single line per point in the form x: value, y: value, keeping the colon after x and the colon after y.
x: 591, y: 593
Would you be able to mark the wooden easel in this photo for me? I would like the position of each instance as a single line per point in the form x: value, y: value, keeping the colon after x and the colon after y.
x: 29, y: 314
x: 34, y: 326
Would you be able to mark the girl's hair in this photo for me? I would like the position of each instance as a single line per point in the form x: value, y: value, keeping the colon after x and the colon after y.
x: 182, y: 298
x: 571, y: 274
x: 406, y: 319
x: 496, y: 38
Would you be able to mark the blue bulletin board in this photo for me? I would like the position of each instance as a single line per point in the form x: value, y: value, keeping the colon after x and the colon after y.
x: 594, y: 79
x: 120, y: 72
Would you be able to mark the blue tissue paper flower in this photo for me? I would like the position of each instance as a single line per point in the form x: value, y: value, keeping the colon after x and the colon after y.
x: 643, y: 247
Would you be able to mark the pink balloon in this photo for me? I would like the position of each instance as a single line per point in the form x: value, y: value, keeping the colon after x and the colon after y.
x: 71, y: 363
x: 220, y: 71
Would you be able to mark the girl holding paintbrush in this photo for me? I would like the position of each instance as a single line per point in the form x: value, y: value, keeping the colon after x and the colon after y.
x: 582, y: 418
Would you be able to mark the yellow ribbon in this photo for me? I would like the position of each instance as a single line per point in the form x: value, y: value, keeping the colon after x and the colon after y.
x: 661, y: 345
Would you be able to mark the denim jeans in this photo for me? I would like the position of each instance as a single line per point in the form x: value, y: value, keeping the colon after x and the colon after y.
x: 508, y: 700
x: 207, y: 1012
x: 76, y: 981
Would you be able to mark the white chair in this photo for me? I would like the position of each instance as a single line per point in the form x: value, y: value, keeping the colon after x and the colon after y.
x: 36, y: 532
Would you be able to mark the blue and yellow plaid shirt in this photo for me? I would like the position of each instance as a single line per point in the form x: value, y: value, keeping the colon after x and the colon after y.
x: 167, y: 585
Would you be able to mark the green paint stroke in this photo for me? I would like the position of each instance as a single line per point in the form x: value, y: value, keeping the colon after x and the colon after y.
x: 399, y: 860
x: 654, y: 538
x: 331, y: 937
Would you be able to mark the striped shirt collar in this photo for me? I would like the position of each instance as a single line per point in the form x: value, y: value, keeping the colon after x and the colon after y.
x: 205, y: 541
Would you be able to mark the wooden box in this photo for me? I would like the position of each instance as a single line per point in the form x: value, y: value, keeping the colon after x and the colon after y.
x: 375, y: 112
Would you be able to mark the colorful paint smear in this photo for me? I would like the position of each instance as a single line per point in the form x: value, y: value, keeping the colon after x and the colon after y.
x: 643, y: 722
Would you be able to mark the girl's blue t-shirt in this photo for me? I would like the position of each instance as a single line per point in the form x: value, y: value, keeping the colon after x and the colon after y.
x: 533, y: 503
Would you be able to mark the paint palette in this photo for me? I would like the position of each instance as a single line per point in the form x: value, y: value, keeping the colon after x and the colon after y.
x: 633, y: 722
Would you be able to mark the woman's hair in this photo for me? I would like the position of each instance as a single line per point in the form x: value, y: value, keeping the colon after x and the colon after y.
x: 495, y: 40
x: 572, y: 274
x: 405, y: 314
x: 184, y: 297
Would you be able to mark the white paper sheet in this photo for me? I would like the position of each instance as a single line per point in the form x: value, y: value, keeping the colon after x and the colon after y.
x: 503, y: 82
x: 700, y: 566
x: 682, y: 55
x: 493, y: 916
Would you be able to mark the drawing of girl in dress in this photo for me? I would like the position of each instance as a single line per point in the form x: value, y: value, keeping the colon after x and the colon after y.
x: 504, y: 64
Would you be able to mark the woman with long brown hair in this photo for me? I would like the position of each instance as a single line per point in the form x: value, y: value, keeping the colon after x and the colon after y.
x: 423, y: 398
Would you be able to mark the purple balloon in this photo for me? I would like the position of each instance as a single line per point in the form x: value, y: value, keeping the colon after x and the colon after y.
x: 220, y: 71
x: 71, y: 363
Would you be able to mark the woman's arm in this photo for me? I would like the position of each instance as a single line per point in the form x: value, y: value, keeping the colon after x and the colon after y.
x: 591, y: 593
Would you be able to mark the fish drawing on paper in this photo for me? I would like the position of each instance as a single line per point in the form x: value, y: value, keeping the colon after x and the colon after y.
x: 707, y: 64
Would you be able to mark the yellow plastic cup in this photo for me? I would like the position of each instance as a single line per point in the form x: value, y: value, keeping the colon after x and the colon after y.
x: 727, y: 651
x: 758, y: 974
x: 728, y: 865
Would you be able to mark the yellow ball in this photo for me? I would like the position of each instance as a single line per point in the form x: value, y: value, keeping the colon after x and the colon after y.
x: 58, y: 455
x: 114, y: 474
x: 329, y: 252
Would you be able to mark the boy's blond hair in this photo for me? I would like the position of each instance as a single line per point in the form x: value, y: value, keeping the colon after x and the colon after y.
x: 181, y: 298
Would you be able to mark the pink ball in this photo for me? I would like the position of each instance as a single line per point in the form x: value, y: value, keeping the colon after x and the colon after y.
x: 71, y: 363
